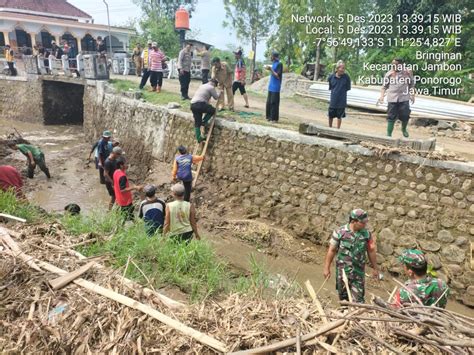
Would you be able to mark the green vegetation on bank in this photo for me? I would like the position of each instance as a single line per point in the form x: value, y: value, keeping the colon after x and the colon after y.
x: 194, y: 268
x: 161, y: 98
x: 9, y: 204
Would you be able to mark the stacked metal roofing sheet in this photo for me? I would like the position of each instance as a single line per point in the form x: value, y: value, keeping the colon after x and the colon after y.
x: 424, y: 106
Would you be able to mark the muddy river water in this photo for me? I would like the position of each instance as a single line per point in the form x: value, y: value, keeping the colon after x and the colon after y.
x: 75, y: 181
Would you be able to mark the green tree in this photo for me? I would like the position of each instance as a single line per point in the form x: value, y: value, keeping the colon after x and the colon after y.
x: 251, y: 19
x: 164, y: 8
x: 160, y: 30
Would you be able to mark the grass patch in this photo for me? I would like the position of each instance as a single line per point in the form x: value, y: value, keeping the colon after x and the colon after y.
x: 162, y: 98
x: 194, y: 268
x: 9, y: 204
x: 96, y: 222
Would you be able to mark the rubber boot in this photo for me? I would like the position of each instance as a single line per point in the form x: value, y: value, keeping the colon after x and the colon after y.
x: 197, y: 131
x: 390, y: 126
x: 207, y: 118
x: 404, y: 129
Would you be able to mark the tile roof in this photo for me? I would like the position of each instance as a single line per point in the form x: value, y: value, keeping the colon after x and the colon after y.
x: 56, y: 8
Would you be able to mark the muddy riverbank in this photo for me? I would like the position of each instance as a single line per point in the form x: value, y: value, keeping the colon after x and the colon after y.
x: 234, y: 237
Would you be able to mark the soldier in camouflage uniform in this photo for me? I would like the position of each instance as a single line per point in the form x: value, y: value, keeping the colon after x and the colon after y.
x: 427, y: 289
x: 350, y: 244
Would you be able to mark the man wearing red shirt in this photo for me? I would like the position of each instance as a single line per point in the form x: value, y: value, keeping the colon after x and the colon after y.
x: 123, y: 190
x: 10, y: 179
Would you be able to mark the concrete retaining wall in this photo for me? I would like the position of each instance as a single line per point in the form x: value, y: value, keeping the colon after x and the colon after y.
x: 308, y: 185
x: 21, y: 100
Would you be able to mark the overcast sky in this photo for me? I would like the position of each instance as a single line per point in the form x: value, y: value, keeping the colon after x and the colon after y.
x: 206, y: 20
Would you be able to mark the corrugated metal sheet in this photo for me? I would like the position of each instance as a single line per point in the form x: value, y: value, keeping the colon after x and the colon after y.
x: 424, y: 106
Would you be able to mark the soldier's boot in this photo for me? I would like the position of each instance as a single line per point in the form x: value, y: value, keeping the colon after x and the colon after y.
x: 404, y: 129
x: 390, y: 126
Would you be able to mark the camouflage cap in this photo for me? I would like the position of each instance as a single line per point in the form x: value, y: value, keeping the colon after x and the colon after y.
x: 413, y: 258
x: 360, y: 215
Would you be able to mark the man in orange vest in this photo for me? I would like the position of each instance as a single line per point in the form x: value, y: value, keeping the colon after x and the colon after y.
x: 123, y: 190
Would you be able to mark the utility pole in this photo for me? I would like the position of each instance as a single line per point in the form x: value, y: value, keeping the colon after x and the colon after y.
x: 110, y: 36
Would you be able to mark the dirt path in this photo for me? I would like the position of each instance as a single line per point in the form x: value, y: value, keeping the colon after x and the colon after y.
x: 308, y: 110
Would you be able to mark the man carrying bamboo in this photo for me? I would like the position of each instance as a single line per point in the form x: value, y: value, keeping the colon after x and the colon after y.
x: 350, y: 244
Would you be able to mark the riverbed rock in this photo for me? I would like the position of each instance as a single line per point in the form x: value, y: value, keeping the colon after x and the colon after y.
x: 453, y: 253
x: 428, y: 245
x: 445, y: 236
x: 173, y: 105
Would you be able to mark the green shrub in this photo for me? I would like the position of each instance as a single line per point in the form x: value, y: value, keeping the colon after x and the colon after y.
x: 9, y: 204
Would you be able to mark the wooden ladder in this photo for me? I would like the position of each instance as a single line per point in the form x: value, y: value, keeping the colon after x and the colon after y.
x: 204, y: 150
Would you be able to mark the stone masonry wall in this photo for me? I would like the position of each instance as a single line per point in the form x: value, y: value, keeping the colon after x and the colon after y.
x: 308, y: 185
x: 21, y: 100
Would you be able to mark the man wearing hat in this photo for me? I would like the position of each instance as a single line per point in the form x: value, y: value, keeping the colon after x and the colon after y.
x: 350, y: 244
x: 182, y: 169
x: 103, y: 151
x: 152, y: 210
x: 185, y: 58
x: 110, y: 166
x: 274, y: 88
x: 240, y: 76
x: 10, y: 57
x: 222, y: 73
x: 146, y: 64
x: 420, y: 286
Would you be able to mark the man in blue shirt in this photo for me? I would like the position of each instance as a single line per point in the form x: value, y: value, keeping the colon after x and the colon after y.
x: 103, y: 152
x: 339, y: 84
x: 274, y: 87
x: 152, y: 210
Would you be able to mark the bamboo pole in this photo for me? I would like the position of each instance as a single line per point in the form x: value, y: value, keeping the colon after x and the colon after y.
x: 5, y: 236
x: 130, y: 302
x: 291, y: 342
x: 208, y: 138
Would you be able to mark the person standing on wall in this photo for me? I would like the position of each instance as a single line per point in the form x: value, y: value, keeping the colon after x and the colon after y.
x: 240, y: 76
x: 221, y: 71
x: 205, y: 63
x: 146, y: 64
x: 137, y: 59
x: 123, y: 189
x: 350, y: 244
x: 399, y: 86
x: 10, y: 58
x: 339, y: 84
x: 274, y: 88
x: 110, y: 166
x: 56, y: 50
x: 182, y: 170
x: 34, y: 156
x: 103, y: 151
x: 180, y: 218
x: 184, y: 69
x: 200, y: 104
x: 156, y: 67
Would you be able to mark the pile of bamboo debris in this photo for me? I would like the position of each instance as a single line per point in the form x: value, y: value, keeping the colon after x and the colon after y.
x: 102, y: 311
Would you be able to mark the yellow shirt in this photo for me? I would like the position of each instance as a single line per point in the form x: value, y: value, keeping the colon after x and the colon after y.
x: 9, y: 55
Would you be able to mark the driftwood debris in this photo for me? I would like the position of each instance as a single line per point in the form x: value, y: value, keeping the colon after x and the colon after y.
x: 129, y: 302
x: 63, y: 280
